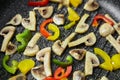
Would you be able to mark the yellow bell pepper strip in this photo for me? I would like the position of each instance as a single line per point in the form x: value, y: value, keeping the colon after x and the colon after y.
x: 107, y: 61
x: 72, y: 15
x: 69, y: 61
x: 64, y: 78
x: 43, y: 31
x: 23, y: 38
x: 56, y: 31
x: 26, y: 65
x: 11, y: 69
x: 76, y: 3
x: 116, y: 61
x: 68, y: 26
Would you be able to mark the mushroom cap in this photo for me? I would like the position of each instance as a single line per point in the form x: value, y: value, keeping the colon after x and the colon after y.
x: 91, y: 5
x: 106, y: 29
x: 58, y: 19
x: 78, y: 75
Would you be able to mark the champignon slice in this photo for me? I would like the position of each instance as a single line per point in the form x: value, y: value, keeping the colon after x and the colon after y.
x: 32, y: 48
x: 40, y: 55
x: 109, y: 17
x: 91, y: 5
x: 109, y: 37
x: 7, y: 32
x: 30, y: 23
x: 59, y: 19
x: 58, y: 46
x: 117, y: 28
x: 78, y: 54
x: 118, y: 39
x: 89, y: 40
x: 82, y: 27
x: 45, y: 12
x: 16, y: 20
x: 38, y: 72
x: 91, y: 61
x: 104, y: 78
x: 11, y: 49
x: 78, y: 75
x: 18, y: 77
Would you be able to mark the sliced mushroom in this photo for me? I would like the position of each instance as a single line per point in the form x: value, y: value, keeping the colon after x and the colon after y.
x: 11, y: 49
x: 109, y: 17
x: 32, y: 48
x: 16, y: 20
x: 30, y: 23
x: 7, y: 32
x: 117, y: 28
x: 58, y: 46
x: 78, y: 54
x: 82, y: 27
x: 45, y: 12
x: 118, y: 39
x: 18, y: 77
x: 91, y: 61
x: 104, y: 78
x: 89, y: 40
x: 38, y: 72
x: 91, y: 5
x: 59, y: 19
x: 78, y: 75
x: 109, y: 37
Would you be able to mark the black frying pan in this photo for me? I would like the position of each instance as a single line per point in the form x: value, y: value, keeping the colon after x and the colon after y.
x: 8, y: 8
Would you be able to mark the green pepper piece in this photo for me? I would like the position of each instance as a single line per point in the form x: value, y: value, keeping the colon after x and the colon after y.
x: 69, y: 61
x: 68, y: 26
x: 11, y: 69
x: 23, y: 38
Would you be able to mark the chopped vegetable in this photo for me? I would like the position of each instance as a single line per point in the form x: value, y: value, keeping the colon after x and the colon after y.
x: 18, y: 77
x: 11, y: 69
x: 100, y: 16
x: 69, y: 61
x: 64, y: 78
x: 116, y: 61
x: 56, y: 31
x: 68, y: 26
x: 78, y: 75
x: 49, y: 78
x: 43, y: 31
x: 60, y: 72
x: 23, y: 38
x: 107, y: 61
x: 76, y: 3
x: 72, y: 15
x: 38, y: 3
x: 26, y: 65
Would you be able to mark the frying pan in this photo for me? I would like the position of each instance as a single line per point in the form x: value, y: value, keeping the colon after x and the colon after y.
x: 9, y: 8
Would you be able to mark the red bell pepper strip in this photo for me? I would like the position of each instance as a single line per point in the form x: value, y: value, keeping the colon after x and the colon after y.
x: 100, y: 16
x: 60, y: 72
x: 50, y: 78
x: 38, y: 3
x: 43, y: 31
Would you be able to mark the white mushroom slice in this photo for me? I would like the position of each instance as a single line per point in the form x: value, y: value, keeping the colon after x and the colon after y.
x: 117, y: 28
x: 38, y: 72
x: 78, y: 54
x: 18, y: 77
x: 16, y: 20
x: 58, y: 46
x: 118, y: 39
x: 78, y: 75
x: 82, y: 27
x: 107, y: 33
x: 104, y: 78
x: 58, y: 19
x: 11, y: 49
x: 32, y: 48
x: 30, y: 23
x: 89, y: 40
x: 45, y: 12
x: 91, y: 5
x: 91, y: 61
x: 7, y: 32
x: 109, y: 17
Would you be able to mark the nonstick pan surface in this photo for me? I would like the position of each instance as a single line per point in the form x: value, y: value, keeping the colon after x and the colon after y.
x: 9, y: 8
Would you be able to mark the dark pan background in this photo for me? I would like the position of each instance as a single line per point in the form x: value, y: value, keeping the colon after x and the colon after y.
x: 9, y: 8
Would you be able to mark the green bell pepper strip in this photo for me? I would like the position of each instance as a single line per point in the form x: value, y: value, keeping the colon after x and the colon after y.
x: 69, y: 61
x: 11, y: 69
x: 107, y: 61
x: 68, y: 26
x: 23, y: 38
x: 56, y: 31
